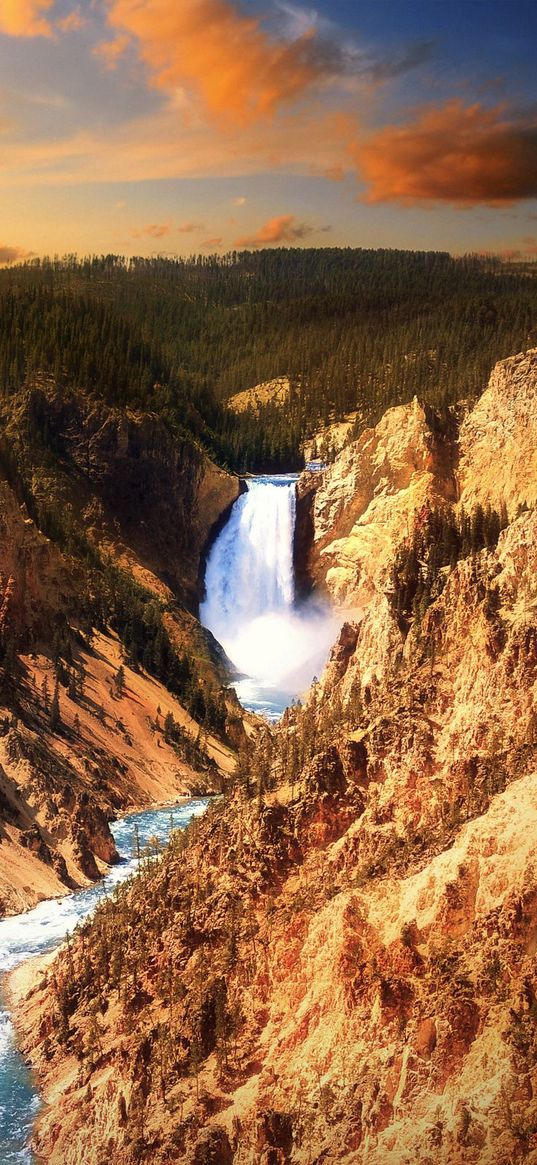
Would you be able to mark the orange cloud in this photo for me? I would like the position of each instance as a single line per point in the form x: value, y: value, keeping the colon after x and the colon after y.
x: 283, y: 228
x: 25, y: 17
x: 154, y: 230
x: 212, y: 244
x: 13, y: 255
x: 239, y: 71
x: 464, y: 155
x: 160, y: 146
x: 188, y: 228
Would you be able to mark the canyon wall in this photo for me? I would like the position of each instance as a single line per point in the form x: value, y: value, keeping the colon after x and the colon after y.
x: 112, y: 490
x: 337, y: 964
x: 148, y: 496
x: 352, y: 515
x: 363, y: 505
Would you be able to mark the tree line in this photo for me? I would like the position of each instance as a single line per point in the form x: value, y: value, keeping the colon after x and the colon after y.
x: 353, y: 329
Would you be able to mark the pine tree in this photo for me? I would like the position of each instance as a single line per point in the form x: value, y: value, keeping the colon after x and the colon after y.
x: 169, y: 727
x: 54, y: 714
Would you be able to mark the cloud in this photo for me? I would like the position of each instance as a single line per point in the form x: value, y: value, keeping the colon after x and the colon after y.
x: 283, y: 228
x: 13, y: 255
x: 25, y: 17
x: 73, y: 22
x: 240, y: 71
x: 240, y: 201
x: 154, y: 230
x: 111, y: 51
x: 158, y: 230
x: 212, y: 244
x: 463, y: 155
x: 158, y: 146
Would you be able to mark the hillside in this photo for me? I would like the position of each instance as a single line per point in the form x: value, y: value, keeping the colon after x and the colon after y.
x: 350, y: 330
x: 337, y: 964
x: 254, y: 400
x: 110, y: 692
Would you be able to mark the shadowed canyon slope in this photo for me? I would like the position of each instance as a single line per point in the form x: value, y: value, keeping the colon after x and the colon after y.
x: 337, y: 964
x: 104, y: 516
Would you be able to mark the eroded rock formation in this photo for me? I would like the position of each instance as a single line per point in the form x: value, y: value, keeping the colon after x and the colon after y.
x: 338, y: 962
x: 111, y: 490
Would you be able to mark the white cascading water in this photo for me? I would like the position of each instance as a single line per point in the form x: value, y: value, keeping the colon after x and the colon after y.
x: 250, y: 599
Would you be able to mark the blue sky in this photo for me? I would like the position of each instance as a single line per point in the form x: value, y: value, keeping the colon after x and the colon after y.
x: 158, y: 127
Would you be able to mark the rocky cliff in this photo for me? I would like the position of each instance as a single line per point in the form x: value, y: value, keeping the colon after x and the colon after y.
x: 498, y: 449
x: 147, y: 495
x: 337, y: 964
x: 95, y: 503
x: 354, y: 513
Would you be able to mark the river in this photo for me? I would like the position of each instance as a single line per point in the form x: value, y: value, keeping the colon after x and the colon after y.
x: 41, y: 930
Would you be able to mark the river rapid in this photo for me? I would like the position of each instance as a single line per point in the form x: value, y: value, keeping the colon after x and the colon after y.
x: 41, y: 930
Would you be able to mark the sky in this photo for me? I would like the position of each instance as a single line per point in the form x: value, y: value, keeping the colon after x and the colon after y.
x: 144, y: 127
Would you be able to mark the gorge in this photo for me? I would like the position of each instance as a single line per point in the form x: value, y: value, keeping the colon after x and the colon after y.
x: 336, y: 962
x: 250, y: 608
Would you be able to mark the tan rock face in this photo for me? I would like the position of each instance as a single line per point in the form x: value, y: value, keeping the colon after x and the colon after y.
x: 110, y: 755
x: 272, y: 392
x: 332, y: 438
x: 498, y: 439
x: 35, y: 583
x: 364, y: 504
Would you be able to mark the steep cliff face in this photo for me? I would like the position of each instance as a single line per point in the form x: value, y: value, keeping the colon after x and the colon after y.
x: 362, y: 506
x: 340, y: 968
x: 110, y: 752
x: 498, y: 445
x: 353, y: 515
x: 111, y: 490
x: 35, y: 580
x: 150, y: 498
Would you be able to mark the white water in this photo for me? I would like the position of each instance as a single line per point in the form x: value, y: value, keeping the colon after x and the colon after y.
x: 277, y: 645
x: 41, y: 930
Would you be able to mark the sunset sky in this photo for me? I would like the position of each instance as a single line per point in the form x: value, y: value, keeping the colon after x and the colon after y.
x: 173, y: 126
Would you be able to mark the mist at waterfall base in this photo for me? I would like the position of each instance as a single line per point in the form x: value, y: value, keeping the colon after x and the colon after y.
x: 276, y: 644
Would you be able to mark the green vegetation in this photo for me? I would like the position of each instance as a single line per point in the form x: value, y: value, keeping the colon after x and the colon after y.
x: 439, y: 540
x: 353, y: 329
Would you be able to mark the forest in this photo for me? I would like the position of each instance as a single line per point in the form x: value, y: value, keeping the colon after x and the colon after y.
x: 353, y: 329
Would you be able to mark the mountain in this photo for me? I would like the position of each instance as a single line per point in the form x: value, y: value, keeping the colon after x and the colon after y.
x: 337, y: 963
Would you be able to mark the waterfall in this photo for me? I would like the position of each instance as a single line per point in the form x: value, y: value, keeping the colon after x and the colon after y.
x: 250, y: 599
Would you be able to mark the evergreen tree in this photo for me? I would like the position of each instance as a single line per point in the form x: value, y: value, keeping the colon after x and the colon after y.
x: 54, y: 713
